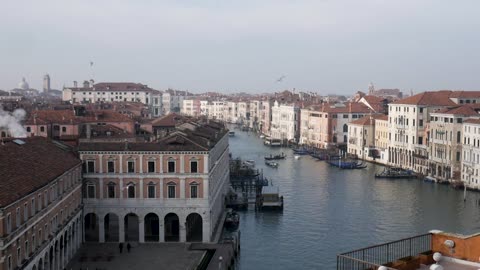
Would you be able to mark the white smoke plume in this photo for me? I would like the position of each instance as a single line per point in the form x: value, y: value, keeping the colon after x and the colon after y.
x: 11, y: 122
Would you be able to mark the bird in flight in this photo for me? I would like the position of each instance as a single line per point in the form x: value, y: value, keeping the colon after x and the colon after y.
x: 281, y: 78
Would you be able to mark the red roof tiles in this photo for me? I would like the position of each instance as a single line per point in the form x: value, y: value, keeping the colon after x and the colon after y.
x: 27, y: 167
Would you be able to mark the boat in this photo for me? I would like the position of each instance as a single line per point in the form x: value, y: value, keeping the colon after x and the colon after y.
x: 319, y: 156
x: 301, y: 151
x: 272, y: 164
x: 275, y: 157
x: 271, y: 199
x: 296, y: 157
x: 231, y: 133
x: 395, y: 173
x: 232, y: 219
x: 250, y: 163
x: 347, y: 164
x: 262, y: 136
x: 272, y: 142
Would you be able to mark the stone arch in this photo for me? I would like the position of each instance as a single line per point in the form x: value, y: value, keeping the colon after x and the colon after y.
x: 111, y: 227
x: 34, y: 267
x: 131, y: 223
x: 194, y: 227
x: 152, y: 227
x: 172, y: 227
x: 91, y: 227
x: 40, y: 264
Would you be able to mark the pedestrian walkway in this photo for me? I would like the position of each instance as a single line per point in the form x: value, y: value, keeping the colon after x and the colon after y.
x: 156, y: 256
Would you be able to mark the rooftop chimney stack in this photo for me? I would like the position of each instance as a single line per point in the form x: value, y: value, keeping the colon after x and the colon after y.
x: 85, y: 84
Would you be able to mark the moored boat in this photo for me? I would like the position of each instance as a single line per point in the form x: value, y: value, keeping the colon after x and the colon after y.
x: 275, y: 157
x: 395, y: 173
x: 232, y: 220
x: 301, y: 151
x: 231, y: 133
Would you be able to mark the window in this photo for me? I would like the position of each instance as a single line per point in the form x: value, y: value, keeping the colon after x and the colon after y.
x: 32, y: 206
x: 151, y: 166
x: 194, y: 190
x: 91, y: 191
x: 458, y: 156
x: 28, y: 129
x: 151, y: 190
x: 17, y: 217
x: 40, y: 235
x: 111, y: 190
x: 171, y: 166
x: 131, y: 166
x: 42, y: 129
x: 420, y: 140
x: 39, y: 203
x: 64, y: 129
x: 171, y: 190
x: 194, y: 166
x: 420, y: 123
x: 19, y: 254
x: 131, y: 190
x: 9, y: 263
x: 90, y: 166
x: 9, y: 223
x: 459, y: 136
x: 25, y: 212
x: 33, y: 242
x: 459, y: 120
x: 111, y: 166
x: 45, y: 198
x: 26, y: 249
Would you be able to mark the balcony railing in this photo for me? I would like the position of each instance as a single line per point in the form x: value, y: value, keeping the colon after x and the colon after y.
x: 375, y: 256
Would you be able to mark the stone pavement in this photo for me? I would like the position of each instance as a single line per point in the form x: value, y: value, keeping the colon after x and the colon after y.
x: 106, y: 256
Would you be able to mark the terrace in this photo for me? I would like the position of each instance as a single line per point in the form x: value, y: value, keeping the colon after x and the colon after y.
x: 435, y: 251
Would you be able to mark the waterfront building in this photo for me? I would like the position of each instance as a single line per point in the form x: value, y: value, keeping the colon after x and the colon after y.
x: 190, y: 107
x: 216, y: 110
x: 328, y: 123
x: 408, y: 120
x: 266, y: 116
x: 445, y: 142
x: 381, y: 138
x: 470, y: 165
x: 231, y: 112
x: 310, y: 124
x: 361, y: 138
x: 255, y: 114
x: 285, y: 124
x: 172, y: 189
x: 41, y: 222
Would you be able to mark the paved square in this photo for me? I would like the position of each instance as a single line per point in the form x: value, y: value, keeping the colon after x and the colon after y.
x: 156, y: 256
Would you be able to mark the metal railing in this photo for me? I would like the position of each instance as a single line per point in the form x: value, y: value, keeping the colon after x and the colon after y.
x: 374, y: 256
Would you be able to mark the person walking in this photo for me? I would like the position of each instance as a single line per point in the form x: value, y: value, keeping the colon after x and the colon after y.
x: 128, y: 247
x: 120, y: 246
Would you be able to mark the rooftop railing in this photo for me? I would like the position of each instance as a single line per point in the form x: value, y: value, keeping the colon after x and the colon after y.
x: 375, y: 256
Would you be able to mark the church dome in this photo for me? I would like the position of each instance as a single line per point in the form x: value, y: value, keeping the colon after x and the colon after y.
x: 23, y: 84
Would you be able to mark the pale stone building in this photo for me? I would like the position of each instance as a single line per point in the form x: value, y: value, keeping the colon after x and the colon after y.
x: 381, y: 138
x: 285, y: 124
x: 471, y: 153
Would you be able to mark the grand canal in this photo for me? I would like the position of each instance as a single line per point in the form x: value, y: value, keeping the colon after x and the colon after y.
x: 329, y: 211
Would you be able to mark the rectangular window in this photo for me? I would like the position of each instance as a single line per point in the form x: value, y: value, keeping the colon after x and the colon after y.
x: 39, y: 202
x: 171, y: 166
x: 42, y: 129
x: 151, y: 191
x: 194, y: 166
x: 131, y: 166
x: 131, y: 191
x: 111, y: 191
x: 90, y: 166
x: 90, y: 191
x: 194, y: 191
x: 19, y: 254
x: 45, y: 198
x: 25, y: 212
x: 33, y: 242
x: 171, y: 191
x: 26, y: 249
x: 420, y: 140
x: 151, y: 166
x: 9, y: 223
x: 111, y: 166
x: 9, y: 263
x: 17, y: 217
x: 32, y: 206
x: 458, y: 156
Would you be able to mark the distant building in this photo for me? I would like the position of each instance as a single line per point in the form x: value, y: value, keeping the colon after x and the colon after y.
x: 46, y: 83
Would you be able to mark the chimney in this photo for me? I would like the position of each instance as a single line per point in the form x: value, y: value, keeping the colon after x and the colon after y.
x: 89, y: 131
x: 75, y: 84
x: 85, y: 84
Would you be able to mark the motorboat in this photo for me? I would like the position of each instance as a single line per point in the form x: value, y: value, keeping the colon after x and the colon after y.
x: 395, y: 173
x: 231, y: 133
x: 272, y: 164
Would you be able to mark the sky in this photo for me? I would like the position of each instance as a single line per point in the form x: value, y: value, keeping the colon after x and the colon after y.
x: 324, y: 46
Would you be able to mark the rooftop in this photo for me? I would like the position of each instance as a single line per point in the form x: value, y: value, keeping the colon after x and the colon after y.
x: 28, y: 166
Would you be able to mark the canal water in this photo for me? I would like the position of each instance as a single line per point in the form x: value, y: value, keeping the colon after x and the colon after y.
x: 328, y: 211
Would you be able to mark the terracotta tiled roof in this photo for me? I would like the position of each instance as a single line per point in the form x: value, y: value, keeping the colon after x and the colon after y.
x: 472, y: 121
x: 169, y: 120
x: 367, y: 120
x: 349, y: 107
x: 465, y: 94
x: 68, y: 117
x: 120, y: 86
x: 460, y: 110
x: 437, y: 98
x: 382, y: 117
x: 27, y: 167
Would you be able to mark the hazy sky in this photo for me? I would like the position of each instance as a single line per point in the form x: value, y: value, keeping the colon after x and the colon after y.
x: 325, y: 46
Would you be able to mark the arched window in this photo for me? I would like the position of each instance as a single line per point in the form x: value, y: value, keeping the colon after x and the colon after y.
x: 345, y: 128
x: 131, y: 190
